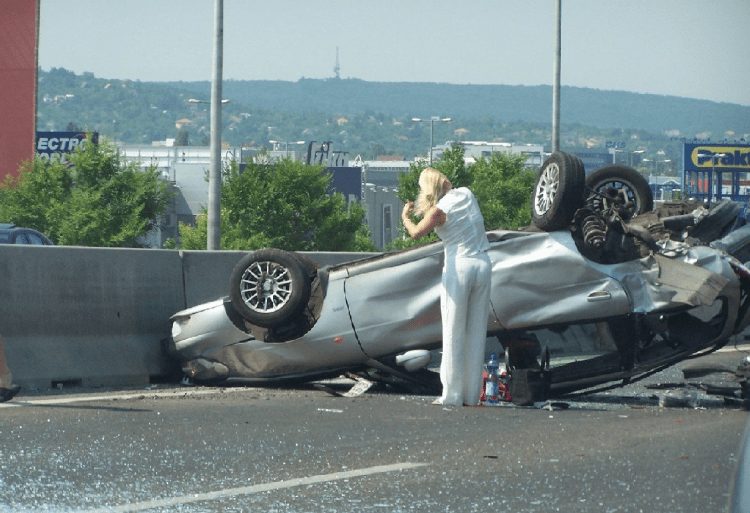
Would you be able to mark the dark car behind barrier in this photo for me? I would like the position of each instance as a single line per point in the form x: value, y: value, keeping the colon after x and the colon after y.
x: 12, y: 234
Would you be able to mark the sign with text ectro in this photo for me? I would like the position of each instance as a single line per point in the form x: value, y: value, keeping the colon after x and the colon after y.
x: 56, y: 145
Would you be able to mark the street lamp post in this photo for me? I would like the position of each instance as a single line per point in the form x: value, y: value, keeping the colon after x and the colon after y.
x: 214, y: 174
x: 614, y: 152
x: 432, y: 120
x: 634, y: 152
x: 556, y: 78
x: 651, y: 172
x: 196, y: 100
x: 713, y: 157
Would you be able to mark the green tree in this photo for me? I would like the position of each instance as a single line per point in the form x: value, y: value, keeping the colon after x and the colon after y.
x: 284, y: 205
x: 95, y: 200
x: 452, y: 165
x: 502, y: 185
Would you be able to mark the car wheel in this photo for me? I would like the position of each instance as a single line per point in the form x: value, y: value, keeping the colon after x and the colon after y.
x: 269, y: 287
x: 621, y: 179
x: 558, y: 191
x: 308, y: 264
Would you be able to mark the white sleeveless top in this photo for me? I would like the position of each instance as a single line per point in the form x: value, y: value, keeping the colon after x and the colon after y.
x: 463, y: 233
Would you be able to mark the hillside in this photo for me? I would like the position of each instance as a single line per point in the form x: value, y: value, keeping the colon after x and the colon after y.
x: 374, y: 118
x: 602, y: 109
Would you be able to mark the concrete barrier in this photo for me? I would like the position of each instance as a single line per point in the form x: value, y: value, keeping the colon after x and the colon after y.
x: 98, y: 316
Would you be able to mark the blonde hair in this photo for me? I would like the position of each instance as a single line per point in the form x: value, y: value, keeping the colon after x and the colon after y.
x: 432, y: 187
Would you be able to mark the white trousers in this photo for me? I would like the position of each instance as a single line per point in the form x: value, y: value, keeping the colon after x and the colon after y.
x: 465, y: 307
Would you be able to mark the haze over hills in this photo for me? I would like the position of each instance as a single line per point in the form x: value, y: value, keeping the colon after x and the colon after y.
x: 374, y: 118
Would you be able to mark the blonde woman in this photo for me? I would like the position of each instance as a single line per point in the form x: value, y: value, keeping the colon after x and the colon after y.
x: 465, y: 296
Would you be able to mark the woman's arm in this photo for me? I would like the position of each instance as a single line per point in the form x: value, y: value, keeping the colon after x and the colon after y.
x: 432, y: 218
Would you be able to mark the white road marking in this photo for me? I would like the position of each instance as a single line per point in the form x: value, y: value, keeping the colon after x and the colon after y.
x: 249, y: 490
x: 144, y: 394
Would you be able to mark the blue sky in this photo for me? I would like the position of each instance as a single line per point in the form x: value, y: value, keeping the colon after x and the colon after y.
x: 686, y: 48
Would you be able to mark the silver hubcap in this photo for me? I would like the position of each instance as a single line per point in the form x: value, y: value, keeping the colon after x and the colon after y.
x: 546, y: 189
x: 265, y: 286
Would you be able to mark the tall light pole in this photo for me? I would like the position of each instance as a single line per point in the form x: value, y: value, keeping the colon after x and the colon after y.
x: 556, y: 78
x: 432, y: 120
x: 713, y: 157
x: 196, y: 100
x: 634, y: 152
x: 214, y: 172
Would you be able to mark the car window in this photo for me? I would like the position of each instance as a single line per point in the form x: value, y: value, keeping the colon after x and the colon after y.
x: 21, y: 238
x: 4, y: 237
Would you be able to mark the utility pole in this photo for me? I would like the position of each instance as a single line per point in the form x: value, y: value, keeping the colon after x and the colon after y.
x: 214, y: 172
x: 556, y: 79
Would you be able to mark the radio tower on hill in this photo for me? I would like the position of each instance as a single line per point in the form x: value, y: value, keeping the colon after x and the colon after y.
x: 336, y: 67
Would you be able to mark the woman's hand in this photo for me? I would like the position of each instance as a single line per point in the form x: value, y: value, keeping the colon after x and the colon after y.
x: 406, y: 212
x: 432, y: 218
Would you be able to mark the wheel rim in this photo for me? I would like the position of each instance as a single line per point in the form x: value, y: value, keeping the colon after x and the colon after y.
x: 619, y: 185
x: 546, y: 189
x: 265, y: 286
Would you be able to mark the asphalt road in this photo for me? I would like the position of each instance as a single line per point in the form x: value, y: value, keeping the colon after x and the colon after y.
x: 201, y: 449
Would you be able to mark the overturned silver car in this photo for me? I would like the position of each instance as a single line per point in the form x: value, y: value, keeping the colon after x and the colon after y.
x: 651, y: 287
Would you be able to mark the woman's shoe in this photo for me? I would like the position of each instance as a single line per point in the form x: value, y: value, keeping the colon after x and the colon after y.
x: 6, y: 394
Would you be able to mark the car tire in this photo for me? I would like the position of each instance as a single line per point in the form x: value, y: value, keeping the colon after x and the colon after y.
x: 718, y: 223
x: 622, y: 178
x: 269, y: 287
x: 558, y: 191
x: 308, y: 264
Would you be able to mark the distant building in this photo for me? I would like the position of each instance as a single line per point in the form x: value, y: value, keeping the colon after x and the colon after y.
x: 593, y: 160
x: 18, y: 65
x: 475, y: 150
x: 380, y: 195
x: 292, y: 150
x: 186, y: 169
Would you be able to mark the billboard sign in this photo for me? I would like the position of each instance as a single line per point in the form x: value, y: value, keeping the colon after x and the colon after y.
x: 719, y: 157
x: 55, y: 145
x: 715, y: 171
